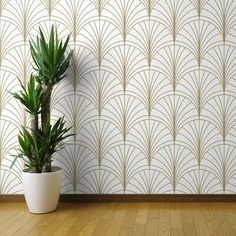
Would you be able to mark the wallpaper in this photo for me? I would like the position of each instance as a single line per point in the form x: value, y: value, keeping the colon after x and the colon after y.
x: 150, y: 94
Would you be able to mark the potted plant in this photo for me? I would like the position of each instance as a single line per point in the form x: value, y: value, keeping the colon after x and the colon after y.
x: 38, y: 143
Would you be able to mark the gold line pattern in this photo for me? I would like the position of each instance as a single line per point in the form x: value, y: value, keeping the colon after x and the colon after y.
x: 150, y: 94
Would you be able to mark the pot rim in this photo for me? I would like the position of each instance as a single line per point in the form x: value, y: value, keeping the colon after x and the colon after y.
x: 54, y: 170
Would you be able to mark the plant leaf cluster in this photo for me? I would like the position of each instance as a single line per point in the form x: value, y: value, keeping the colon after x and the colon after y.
x: 51, y: 61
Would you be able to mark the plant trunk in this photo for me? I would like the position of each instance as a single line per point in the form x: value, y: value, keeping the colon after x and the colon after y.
x: 34, y: 128
x: 47, y: 166
x: 35, y: 169
x: 45, y: 117
x: 34, y: 123
x: 45, y: 112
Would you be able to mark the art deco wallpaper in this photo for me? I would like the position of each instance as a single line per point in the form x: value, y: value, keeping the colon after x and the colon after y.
x: 150, y: 94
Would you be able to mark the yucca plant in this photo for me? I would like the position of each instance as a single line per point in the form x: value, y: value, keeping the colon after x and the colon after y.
x: 42, y: 139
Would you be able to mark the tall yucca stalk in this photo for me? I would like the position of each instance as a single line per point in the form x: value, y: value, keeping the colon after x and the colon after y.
x: 51, y: 63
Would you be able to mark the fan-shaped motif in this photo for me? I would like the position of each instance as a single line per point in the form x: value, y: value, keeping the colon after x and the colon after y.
x: 124, y: 162
x: 199, y: 36
x: 199, y: 138
x: 221, y: 14
x: 150, y: 181
x: 149, y: 5
x: 149, y: 86
x: 149, y: 37
x: 99, y: 88
x: 124, y: 115
x: 79, y: 162
x: 174, y: 14
x: 174, y: 162
x: 83, y: 62
x: 99, y: 139
x: 220, y: 160
x: 24, y: 15
x: 8, y: 138
x: 174, y: 62
x: 73, y: 15
x: 199, y: 5
x: 10, y: 181
x: 197, y: 87
x: 8, y: 85
x: 174, y: 114
x: 124, y: 15
x: 49, y: 5
x: 220, y: 61
x: 124, y: 63
x: 8, y: 39
x: 99, y: 37
x: 200, y: 182
x: 148, y: 137
x: 221, y: 111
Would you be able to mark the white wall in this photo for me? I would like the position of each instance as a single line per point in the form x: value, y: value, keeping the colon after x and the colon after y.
x: 150, y: 94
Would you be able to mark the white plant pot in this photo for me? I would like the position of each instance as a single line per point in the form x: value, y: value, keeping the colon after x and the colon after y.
x: 42, y: 190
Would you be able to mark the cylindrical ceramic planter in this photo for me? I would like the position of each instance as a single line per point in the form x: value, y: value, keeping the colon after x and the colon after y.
x: 42, y: 190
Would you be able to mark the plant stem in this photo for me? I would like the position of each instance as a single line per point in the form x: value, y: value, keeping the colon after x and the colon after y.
x: 45, y: 117
x: 35, y: 169
x: 46, y: 103
x: 34, y: 123
x: 47, y: 166
x: 34, y: 129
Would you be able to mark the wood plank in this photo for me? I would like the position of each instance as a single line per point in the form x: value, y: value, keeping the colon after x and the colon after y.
x: 142, y: 214
x: 175, y: 217
x: 102, y: 227
x: 139, y: 230
x: 104, y: 221
x: 221, y: 222
x: 121, y: 219
x: 164, y: 220
x: 117, y: 220
x: 129, y: 219
x: 187, y: 220
x: 230, y: 214
x: 199, y: 220
x: 176, y: 220
x: 153, y: 219
x: 13, y: 219
x: 152, y: 227
x: 79, y: 219
x: 189, y: 229
x: 186, y: 213
x: 58, y: 221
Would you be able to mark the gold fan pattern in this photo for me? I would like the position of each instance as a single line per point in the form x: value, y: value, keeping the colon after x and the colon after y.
x: 150, y: 94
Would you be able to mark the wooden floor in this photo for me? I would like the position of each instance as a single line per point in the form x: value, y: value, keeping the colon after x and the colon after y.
x: 121, y: 219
